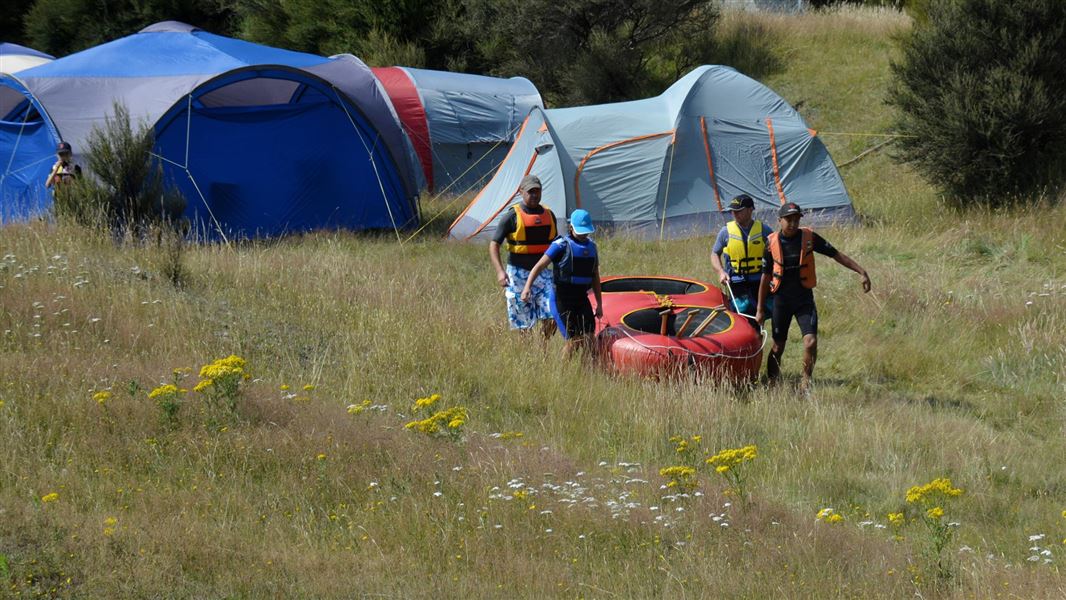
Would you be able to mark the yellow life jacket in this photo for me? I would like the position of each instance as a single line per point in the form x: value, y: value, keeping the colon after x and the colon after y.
x: 533, y: 232
x: 745, y: 259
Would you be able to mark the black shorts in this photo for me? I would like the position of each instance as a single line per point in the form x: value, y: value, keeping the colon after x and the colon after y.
x: 573, y: 315
x: 803, y: 309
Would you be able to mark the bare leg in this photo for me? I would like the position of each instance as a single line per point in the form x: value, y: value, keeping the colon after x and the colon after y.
x: 810, y: 355
x: 548, y: 328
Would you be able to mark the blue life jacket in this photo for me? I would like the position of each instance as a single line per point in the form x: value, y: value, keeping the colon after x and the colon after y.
x: 577, y: 264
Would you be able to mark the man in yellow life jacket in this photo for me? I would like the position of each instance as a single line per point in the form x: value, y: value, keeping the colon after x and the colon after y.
x: 528, y: 229
x: 739, y: 254
x: 790, y: 277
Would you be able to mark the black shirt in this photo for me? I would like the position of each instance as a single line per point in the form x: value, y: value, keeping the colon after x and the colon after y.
x: 791, y: 286
x: 508, y: 225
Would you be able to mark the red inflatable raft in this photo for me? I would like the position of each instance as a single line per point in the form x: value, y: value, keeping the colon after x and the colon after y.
x: 663, y: 326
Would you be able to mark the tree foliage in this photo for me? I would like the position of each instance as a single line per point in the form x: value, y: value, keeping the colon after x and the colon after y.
x: 366, y: 28
x: 982, y: 88
x: 587, y: 51
x: 60, y: 27
x: 11, y: 26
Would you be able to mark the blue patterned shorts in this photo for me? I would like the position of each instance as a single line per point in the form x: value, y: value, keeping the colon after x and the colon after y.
x: 524, y: 315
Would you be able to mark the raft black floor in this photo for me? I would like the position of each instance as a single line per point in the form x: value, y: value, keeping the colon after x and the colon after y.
x: 653, y: 284
x: 648, y: 320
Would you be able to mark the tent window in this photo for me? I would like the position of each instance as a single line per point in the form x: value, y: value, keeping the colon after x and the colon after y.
x: 15, y: 108
x: 257, y: 91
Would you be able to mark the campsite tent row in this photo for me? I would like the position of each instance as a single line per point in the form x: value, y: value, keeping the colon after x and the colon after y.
x: 263, y: 141
x: 665, y: 167
x: 260, y: 141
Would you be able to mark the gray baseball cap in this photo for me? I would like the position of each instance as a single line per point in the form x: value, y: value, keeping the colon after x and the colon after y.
x: 529, y: 182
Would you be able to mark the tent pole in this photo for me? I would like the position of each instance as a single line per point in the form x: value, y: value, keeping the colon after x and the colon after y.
x: 666, y: 194
x: 373, y: 164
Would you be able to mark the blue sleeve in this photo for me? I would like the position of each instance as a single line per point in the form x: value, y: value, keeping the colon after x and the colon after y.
x: 721, y: 241
x: 555, y: 250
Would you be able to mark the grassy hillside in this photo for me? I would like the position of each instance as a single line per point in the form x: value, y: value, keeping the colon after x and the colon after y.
x: 955, y: 366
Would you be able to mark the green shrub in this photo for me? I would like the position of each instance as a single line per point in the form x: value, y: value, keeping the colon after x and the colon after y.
x: 126, y: 190
x: 982, y: 88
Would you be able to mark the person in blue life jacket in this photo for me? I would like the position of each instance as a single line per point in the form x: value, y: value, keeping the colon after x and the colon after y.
x: 575, y: 269
x: 527, y: 229
x: 740, y: 253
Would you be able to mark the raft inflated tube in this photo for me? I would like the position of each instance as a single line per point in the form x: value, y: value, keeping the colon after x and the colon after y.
x: 641, y: 331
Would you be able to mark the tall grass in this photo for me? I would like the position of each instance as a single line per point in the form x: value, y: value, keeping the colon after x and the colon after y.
x: 955, y: 365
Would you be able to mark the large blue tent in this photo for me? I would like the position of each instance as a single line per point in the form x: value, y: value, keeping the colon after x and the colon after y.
x: 261, y: 141
x: 665, y: 167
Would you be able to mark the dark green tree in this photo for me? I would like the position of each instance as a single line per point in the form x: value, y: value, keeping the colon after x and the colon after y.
x: 61, y: 27
x: 589, y: 51
x: 383, y: 31
x: 982, y: 88
x: 11, y: 25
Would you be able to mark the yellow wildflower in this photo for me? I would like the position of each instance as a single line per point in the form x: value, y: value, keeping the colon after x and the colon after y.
x: 935, y: 513
x: 309, y: 388
x: 50, y: 497
x: 721, y: 468
x: 1064, y: 514
x: 930, y: 492
x: 426, y: 402
x: 895, y: 518
x: 284, y: 387
x: 102, y: 396
x: 734, y: 456
x: 520, y: 495
x: 680, y: 476
x: 163, y: 391
x: 109, y: 526
x: 203, y: 385
x: 828, y: 515
x: 321, y: 457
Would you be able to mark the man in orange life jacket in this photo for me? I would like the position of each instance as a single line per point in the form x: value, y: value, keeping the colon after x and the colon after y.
x: 528, y: 228
x: 790, y: 277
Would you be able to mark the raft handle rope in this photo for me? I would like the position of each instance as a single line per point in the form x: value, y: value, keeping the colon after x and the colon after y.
x: 673, y: 350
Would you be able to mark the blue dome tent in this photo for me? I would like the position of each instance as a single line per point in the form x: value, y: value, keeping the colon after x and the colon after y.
x: 665, y: 167
x: 261, y: 141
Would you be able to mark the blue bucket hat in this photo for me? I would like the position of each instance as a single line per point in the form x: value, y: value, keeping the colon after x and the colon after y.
x: 581, y: 221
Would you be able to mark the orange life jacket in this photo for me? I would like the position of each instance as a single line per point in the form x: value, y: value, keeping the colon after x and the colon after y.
x: 533, y: 232
x: 808, y: 277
